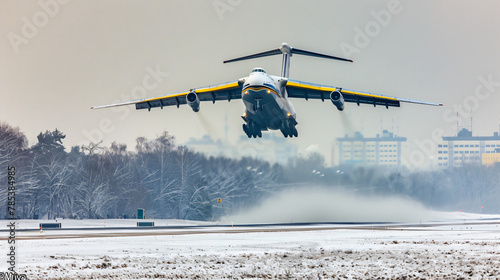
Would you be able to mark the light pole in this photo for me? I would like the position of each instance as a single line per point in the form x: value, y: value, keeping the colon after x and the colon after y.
x: 339, y: 173
x: 317, y: 174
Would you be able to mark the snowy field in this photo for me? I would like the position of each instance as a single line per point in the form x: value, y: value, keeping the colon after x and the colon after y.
x: 451, y: 250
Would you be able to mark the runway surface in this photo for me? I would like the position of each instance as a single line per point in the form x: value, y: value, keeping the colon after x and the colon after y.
x: 97, y: 232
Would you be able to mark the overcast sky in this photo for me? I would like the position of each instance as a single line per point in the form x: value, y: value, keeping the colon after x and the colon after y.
x: 59, y: 58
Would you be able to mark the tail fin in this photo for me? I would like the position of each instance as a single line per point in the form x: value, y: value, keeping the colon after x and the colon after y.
x: 287, y: 52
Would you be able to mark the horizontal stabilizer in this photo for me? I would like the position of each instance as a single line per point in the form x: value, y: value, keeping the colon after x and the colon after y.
x: 304, y: 52
x: 262, y: 54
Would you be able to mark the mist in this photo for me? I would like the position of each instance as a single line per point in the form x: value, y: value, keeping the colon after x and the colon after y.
x: 347, y: 124
x: 318, y: 204
x: 207, y: 125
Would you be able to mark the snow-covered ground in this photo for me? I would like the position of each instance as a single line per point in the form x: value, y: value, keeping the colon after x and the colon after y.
x: 470, y: 251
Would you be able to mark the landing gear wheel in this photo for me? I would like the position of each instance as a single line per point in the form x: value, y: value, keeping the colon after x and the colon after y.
x: 252, y: 130
x: 246, y: 130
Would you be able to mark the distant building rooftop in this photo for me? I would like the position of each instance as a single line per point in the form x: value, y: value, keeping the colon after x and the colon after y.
x: 386, y: 136
x: 466, y: 135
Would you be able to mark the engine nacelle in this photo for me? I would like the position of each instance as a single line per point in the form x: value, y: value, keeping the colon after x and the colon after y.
x: 193, y: 101
x: 337, y: 99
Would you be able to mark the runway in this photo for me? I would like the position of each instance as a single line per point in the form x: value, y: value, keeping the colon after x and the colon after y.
x: 101, y: 232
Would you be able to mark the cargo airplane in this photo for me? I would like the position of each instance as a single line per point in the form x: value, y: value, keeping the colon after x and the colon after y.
x: 267, y: 97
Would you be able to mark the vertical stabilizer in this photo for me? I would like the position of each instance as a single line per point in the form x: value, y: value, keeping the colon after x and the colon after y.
x: 286, y: 50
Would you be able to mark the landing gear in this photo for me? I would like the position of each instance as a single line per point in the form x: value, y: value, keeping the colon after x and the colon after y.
x: 288, y: 128
x: 245, y: 128
x: 252, y: 130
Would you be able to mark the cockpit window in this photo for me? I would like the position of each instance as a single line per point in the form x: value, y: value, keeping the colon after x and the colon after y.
x: 259, y: 70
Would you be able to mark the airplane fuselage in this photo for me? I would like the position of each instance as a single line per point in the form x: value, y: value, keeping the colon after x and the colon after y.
x: 266, y: 104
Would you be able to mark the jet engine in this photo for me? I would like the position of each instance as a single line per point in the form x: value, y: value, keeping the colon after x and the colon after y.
x: 193, y: 101
x: 337, y: 99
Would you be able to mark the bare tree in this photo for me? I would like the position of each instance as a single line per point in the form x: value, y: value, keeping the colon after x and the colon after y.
x: 93, y: 148
x: 93, y: 194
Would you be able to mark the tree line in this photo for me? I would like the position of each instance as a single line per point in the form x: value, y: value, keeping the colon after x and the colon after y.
x: 172, y: 181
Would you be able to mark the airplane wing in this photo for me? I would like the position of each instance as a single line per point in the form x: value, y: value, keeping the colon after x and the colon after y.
x: 298, y: 89
x: 225, y: 91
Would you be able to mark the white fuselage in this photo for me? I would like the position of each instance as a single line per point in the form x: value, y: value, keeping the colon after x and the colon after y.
x: 266, y: 101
